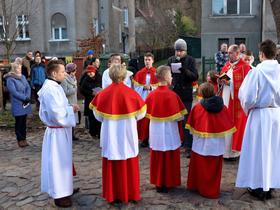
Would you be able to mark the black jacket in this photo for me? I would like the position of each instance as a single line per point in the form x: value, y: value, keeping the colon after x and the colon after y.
x: 182, y: 82
x: 86, y: 87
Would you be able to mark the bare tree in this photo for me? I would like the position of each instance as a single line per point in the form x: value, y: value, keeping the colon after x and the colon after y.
x: 11, y: 29
x: 275, y: 6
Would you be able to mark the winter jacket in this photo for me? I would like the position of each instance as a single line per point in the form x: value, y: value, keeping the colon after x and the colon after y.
x: 20, y: 93
x: 38, y: 74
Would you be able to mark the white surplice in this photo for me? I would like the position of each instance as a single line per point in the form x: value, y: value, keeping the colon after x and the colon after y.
x: 106, y: 80
x: 259, y: 95
x: 56, y: 167
x: 140, y: 88
x: 168, y: 134
x: 119, y: 138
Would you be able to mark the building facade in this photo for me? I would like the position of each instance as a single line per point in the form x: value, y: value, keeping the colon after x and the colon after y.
x: 54, y: 26
x: 231, y: 22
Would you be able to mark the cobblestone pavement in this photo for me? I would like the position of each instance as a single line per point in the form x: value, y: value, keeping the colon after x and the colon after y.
x: 20, y: 180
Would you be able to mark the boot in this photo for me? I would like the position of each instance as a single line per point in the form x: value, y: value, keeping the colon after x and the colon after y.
x: 25, y: 143
x: 21, y: 143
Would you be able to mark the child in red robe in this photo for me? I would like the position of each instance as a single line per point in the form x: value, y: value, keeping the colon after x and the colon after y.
x: 164, y: 109
x: 119, y: 107
x: 209, y: 122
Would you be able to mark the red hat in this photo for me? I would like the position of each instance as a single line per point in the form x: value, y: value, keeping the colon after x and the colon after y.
x: 91, y: 68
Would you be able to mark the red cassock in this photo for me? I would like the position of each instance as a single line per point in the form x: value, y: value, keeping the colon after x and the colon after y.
x: 120, y: 178
x: 140, y: 80
x: 205, y: 170
x: 164, y: 105
x: 240, y: 70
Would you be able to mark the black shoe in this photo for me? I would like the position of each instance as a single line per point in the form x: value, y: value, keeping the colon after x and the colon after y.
x: 258, y: 193
x: 75, y: 138
x: 231, y: 159
x: 144, y: 143
x: 76, y: 190
x: 162, y: 189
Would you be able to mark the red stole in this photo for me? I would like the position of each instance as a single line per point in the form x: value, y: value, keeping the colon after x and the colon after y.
x: 117, y: 101
x: 240, y: 70
x: 140, y: 77
x: 210, y: 125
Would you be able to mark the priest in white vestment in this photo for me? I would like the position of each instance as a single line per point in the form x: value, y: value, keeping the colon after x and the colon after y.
x: 259, y: 94
x: 58, y: 115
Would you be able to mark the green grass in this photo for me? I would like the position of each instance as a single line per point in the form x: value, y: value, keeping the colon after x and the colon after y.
x: 6, y: 119
x: 161, y: 62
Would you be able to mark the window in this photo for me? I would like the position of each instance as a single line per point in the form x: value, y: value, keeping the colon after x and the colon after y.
x: 231, y: 7
x: 22, y: 27
x: 59, y: 27
x: 2, y: 27
x: 95, y: 26
x: 125, y: 17
x: 239, y: 41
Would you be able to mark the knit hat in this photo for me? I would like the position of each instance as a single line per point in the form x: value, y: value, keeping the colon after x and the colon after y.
x: 91, y: 68
x: 180, y: 44
x: 90, y: 52
x: 70, y: 67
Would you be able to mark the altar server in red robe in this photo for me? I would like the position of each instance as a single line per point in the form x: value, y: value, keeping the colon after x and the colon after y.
x: 144, y: 82
x: 119, y: 107
x: 164, y: 109
x: 206, y: 162
x: 236, y: 69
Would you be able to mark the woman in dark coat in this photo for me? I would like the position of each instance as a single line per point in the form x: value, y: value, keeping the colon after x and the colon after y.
x: 90, y: 85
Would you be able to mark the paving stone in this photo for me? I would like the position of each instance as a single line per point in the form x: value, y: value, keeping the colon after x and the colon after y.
x: 20, y: 181
x: 9, y: 189
x: 25, y: 201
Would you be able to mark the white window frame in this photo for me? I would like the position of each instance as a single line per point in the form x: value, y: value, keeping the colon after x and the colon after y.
x: 23, y: 22
x: 238, y: 8
x: 59, y: 34
x: 60, y: 28
x: 2, y: 25
x: 95, y: 26
x: 125, y: 17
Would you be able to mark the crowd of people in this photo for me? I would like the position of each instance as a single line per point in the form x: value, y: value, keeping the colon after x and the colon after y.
x: 237, y: 115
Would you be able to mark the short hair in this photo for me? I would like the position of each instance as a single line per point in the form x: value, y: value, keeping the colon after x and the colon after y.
x: 206, y: 90
x: 149, y: 54
x: 268, y: 48
x: 161, y: 72
x: 234, y: 47
x: 117, y: 72
x: 14, y: 66
x: 213, y: 75
x: 248, y: 53
x: 53, y: 66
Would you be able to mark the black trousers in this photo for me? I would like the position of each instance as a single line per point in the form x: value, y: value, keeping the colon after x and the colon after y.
x: 94, y: 125
x: 20, y: 127
x: 188, y: 138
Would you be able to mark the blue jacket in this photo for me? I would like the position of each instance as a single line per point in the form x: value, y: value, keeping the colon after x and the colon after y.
x: 38, y: 74
x: 19, y: 91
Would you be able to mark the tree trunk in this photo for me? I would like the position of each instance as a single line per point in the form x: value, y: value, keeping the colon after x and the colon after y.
x: 275, y: 6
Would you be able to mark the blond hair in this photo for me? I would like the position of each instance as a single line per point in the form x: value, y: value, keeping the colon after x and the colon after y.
x: 162, y: 71
x: 14, y: 66
x: 117, y: 72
